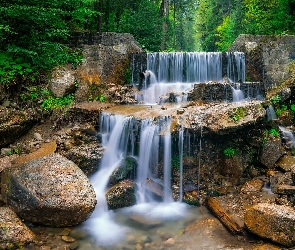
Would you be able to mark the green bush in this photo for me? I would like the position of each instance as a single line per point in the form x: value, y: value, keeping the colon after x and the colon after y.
x: 229, y: 152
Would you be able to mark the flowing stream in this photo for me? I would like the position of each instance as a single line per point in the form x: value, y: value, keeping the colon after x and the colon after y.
x: 149, y: 143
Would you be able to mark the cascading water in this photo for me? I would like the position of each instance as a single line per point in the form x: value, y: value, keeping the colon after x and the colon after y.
x: 118, y: 136
x: 177, y: 72
x: 180, y: 146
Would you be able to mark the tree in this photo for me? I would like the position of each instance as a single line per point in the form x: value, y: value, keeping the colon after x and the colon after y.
x: 33, y: 33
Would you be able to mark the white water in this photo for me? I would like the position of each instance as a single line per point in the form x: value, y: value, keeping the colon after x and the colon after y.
x: 101, y: 223
x: 118, y: 138
x: 238, y: 94
x: 287, y: 134
x: 180, y: 148
x: 177, y: 73
x: 271, y: 114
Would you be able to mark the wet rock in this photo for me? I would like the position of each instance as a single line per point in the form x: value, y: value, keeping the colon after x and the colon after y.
x: 153, y: 188
x: 126, y: 170
x: 272, y: 150
x: 15, y: 123
x: 285, y: 189
x: 121, y: 195
x: 252, y: 186
x: 169, y: 243
x: 63, y: 81
x: 279, y: 179
x: 222, y: 118
x: 67, y: 239
x: 286, y: 162
x: 235, y: 166
x: 293, y: 173
x: 273, y: 222
x: 50, y: 190
x: 180, y: 111
x: 74, y: 245
x: 191, y: 198
x: 210, y: 92
x: 13, y: 232
x: 142, y: 222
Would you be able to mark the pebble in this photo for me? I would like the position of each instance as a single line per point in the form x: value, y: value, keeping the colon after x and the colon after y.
x: 170, y: 242
x: 38, y: 137
x: 67, y: 239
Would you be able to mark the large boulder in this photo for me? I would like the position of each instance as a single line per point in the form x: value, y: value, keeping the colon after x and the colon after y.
x: 13, y: 232
x: 273, y: 222
x: 50, y: 190
x: 15, y: 123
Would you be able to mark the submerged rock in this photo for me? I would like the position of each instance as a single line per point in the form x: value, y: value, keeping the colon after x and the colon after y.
x: 50, y: 190
x: 13, y: 232
x: 121, y: 195
x: 156, y: 190
x: 273, y: 222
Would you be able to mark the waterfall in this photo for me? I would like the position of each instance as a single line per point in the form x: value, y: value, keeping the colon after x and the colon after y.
x: 238, y: 94
x: 118, y: 138
x: 271, y: 114
x: 149, y: 144
x: 199, y: 165
x: 118, y: 129
x: 288, y: 136
x: 167, y: 165
x: 180, y: 148
x: 177, y: 72
x: 236, y: 66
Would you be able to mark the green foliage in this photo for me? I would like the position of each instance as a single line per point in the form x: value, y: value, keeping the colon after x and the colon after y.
x: 274, y: 132
x: 33, y: 35
x: 57, y: 102
x: 229, y: 152
x: 175, y: 161
x: 275, y: 99
x: 270, y: 133
x: 14, y: 68
x: 237, y: 114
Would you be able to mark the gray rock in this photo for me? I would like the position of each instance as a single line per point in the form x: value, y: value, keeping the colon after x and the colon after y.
x: 273, y: 222
x: 126, y: 170
x: 13, y: 232
x: 272, y: 150
x: 63, y: 82
x: 50, y: 190
x: 279, y: 179
x: 121, y: 195
x: 38, y: 137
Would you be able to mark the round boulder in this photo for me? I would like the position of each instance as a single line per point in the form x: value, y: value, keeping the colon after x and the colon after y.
x: 50, y: 190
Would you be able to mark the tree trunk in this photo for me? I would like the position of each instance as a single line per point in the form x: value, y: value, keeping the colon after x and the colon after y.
x: 100, y: 10
x: 164, y: 14
x: 223, y: 216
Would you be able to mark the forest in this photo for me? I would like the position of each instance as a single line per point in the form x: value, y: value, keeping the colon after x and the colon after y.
x: 34, y: 34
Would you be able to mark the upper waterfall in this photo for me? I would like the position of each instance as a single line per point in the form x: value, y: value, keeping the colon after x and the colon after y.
x: 157, y: 74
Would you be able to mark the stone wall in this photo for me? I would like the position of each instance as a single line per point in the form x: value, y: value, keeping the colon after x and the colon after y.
x: 106, y: 61
x: 267, y: 57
